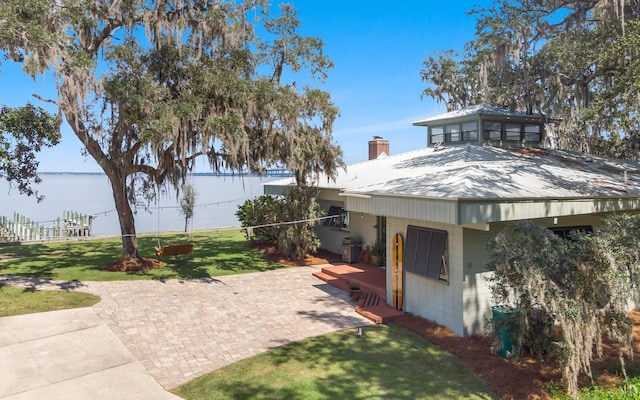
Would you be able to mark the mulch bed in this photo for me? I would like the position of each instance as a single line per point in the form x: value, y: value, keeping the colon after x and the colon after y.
x: 511, y: 379
x: 270, y: 252
x: 525, y: 378
x: 133, y: 265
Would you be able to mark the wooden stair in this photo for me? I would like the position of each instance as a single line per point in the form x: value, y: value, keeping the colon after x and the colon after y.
x: 372, y: 304
x: 376, y: 309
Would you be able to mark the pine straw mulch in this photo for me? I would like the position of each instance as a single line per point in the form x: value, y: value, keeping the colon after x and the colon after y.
x: 320, y: 257
x: 526, y: 378
x: 133, y: 265
x: 510, y: 379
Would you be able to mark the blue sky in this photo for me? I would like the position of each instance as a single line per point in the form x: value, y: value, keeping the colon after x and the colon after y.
x: 378, y: 48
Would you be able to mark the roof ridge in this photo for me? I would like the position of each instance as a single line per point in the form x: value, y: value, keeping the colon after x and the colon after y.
x: 390, y: 156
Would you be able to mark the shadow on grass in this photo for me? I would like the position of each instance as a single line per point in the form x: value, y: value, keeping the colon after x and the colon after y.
x: 182, y: 267
x: 215, y: 254
x: 401, y: 364
x: 215, y: 258
x: 256, y: 391
x: 30, y: 283
x: 42, y: 260
x: 385, y: 362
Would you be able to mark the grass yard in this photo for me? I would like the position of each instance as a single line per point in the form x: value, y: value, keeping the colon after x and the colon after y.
x: 18, y: 301
x: 215, y: 254
x: 387, y: 362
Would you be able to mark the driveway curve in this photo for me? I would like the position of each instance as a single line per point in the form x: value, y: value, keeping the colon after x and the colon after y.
x: 181, y: 329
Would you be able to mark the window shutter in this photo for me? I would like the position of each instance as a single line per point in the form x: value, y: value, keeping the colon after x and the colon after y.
x: 424, y: 251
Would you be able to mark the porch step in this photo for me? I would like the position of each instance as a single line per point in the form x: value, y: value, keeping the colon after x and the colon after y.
x: 338, y: 282
x: 371, y: 306
x: 370, y: 279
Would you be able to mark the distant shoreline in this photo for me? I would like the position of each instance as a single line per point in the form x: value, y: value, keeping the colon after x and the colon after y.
x: 90, y: 193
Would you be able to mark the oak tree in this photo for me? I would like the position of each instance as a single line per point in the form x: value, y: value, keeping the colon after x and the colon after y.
x: 24, y: 132
x: 575, y: 60
x: 150, y: 86
x: 585, y: 284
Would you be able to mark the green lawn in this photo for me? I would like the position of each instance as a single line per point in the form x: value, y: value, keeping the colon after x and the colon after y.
x: 17, y: 301
x: 215, y: 254
x: 387, y: 362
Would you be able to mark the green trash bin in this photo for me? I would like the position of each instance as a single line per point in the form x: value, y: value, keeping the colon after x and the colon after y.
x: 505, y: 320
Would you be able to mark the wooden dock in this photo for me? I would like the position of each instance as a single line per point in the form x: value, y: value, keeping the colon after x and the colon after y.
x: 23, y: 229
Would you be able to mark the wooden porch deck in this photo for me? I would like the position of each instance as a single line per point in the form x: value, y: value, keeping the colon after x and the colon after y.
x: 372, y: 281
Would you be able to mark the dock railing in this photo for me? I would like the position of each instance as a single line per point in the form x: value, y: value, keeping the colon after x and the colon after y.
x: 22, y: 229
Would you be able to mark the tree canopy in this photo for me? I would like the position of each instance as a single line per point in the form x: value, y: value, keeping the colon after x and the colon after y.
x: 25, y: 131
x: 150, y: 86
x: 575, y: 60
x: 585, y: 284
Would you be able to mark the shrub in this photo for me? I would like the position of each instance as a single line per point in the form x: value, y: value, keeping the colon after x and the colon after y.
x: 294, y: 239
x: 297, y: 239
x: 262, y: 210
x: 585, y: 283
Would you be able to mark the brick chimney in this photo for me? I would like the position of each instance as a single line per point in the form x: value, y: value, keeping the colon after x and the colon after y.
x: 377, y: 146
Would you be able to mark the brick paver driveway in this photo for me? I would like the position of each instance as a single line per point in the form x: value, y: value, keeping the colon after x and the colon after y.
x: 181, y: 329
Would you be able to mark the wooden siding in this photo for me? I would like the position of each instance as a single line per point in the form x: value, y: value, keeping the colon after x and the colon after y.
x: 436, y: 210
x: 330, y: 237
x: 476, y: 295
x: 475, y: 211
x: 441, y: 302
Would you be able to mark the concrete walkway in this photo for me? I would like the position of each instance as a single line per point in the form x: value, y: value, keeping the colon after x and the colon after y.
x: 147, y: 335
x: 69, y: 354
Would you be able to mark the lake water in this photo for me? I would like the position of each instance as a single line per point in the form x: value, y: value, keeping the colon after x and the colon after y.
x: 216, y: 204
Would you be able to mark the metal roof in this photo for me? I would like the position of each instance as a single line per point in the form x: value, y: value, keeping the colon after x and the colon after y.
x: 477, y: 110
x: 489, y: 173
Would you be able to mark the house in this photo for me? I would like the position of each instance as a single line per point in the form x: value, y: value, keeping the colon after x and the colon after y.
x: 483, y: 168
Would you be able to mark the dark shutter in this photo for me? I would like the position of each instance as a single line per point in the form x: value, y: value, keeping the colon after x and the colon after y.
x: 335, y: 212
x: 565, y: 232
x: 422, y: 255
x: 410, y: 250
x: 438, y: 239
x: 424, y: 250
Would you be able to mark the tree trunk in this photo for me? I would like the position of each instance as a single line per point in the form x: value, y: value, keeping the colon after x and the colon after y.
x: 125, y: 216
x: 115, y: 173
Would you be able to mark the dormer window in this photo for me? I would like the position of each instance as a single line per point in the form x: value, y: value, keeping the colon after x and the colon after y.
x: 437, y: 134
x: 486, y: 125
x: 452, y: 133
x: 492, y: 131
x: 470, y: 132
x: 512, y: 132
x: 532, y: 133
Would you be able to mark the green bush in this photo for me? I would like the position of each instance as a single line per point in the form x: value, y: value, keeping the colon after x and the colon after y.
x: 297, y: 239
x: 584, y: 284
x: 263, y: 210
x: 294, y: 239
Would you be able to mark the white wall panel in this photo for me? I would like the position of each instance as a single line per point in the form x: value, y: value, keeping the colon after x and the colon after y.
x: 440, y: 302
